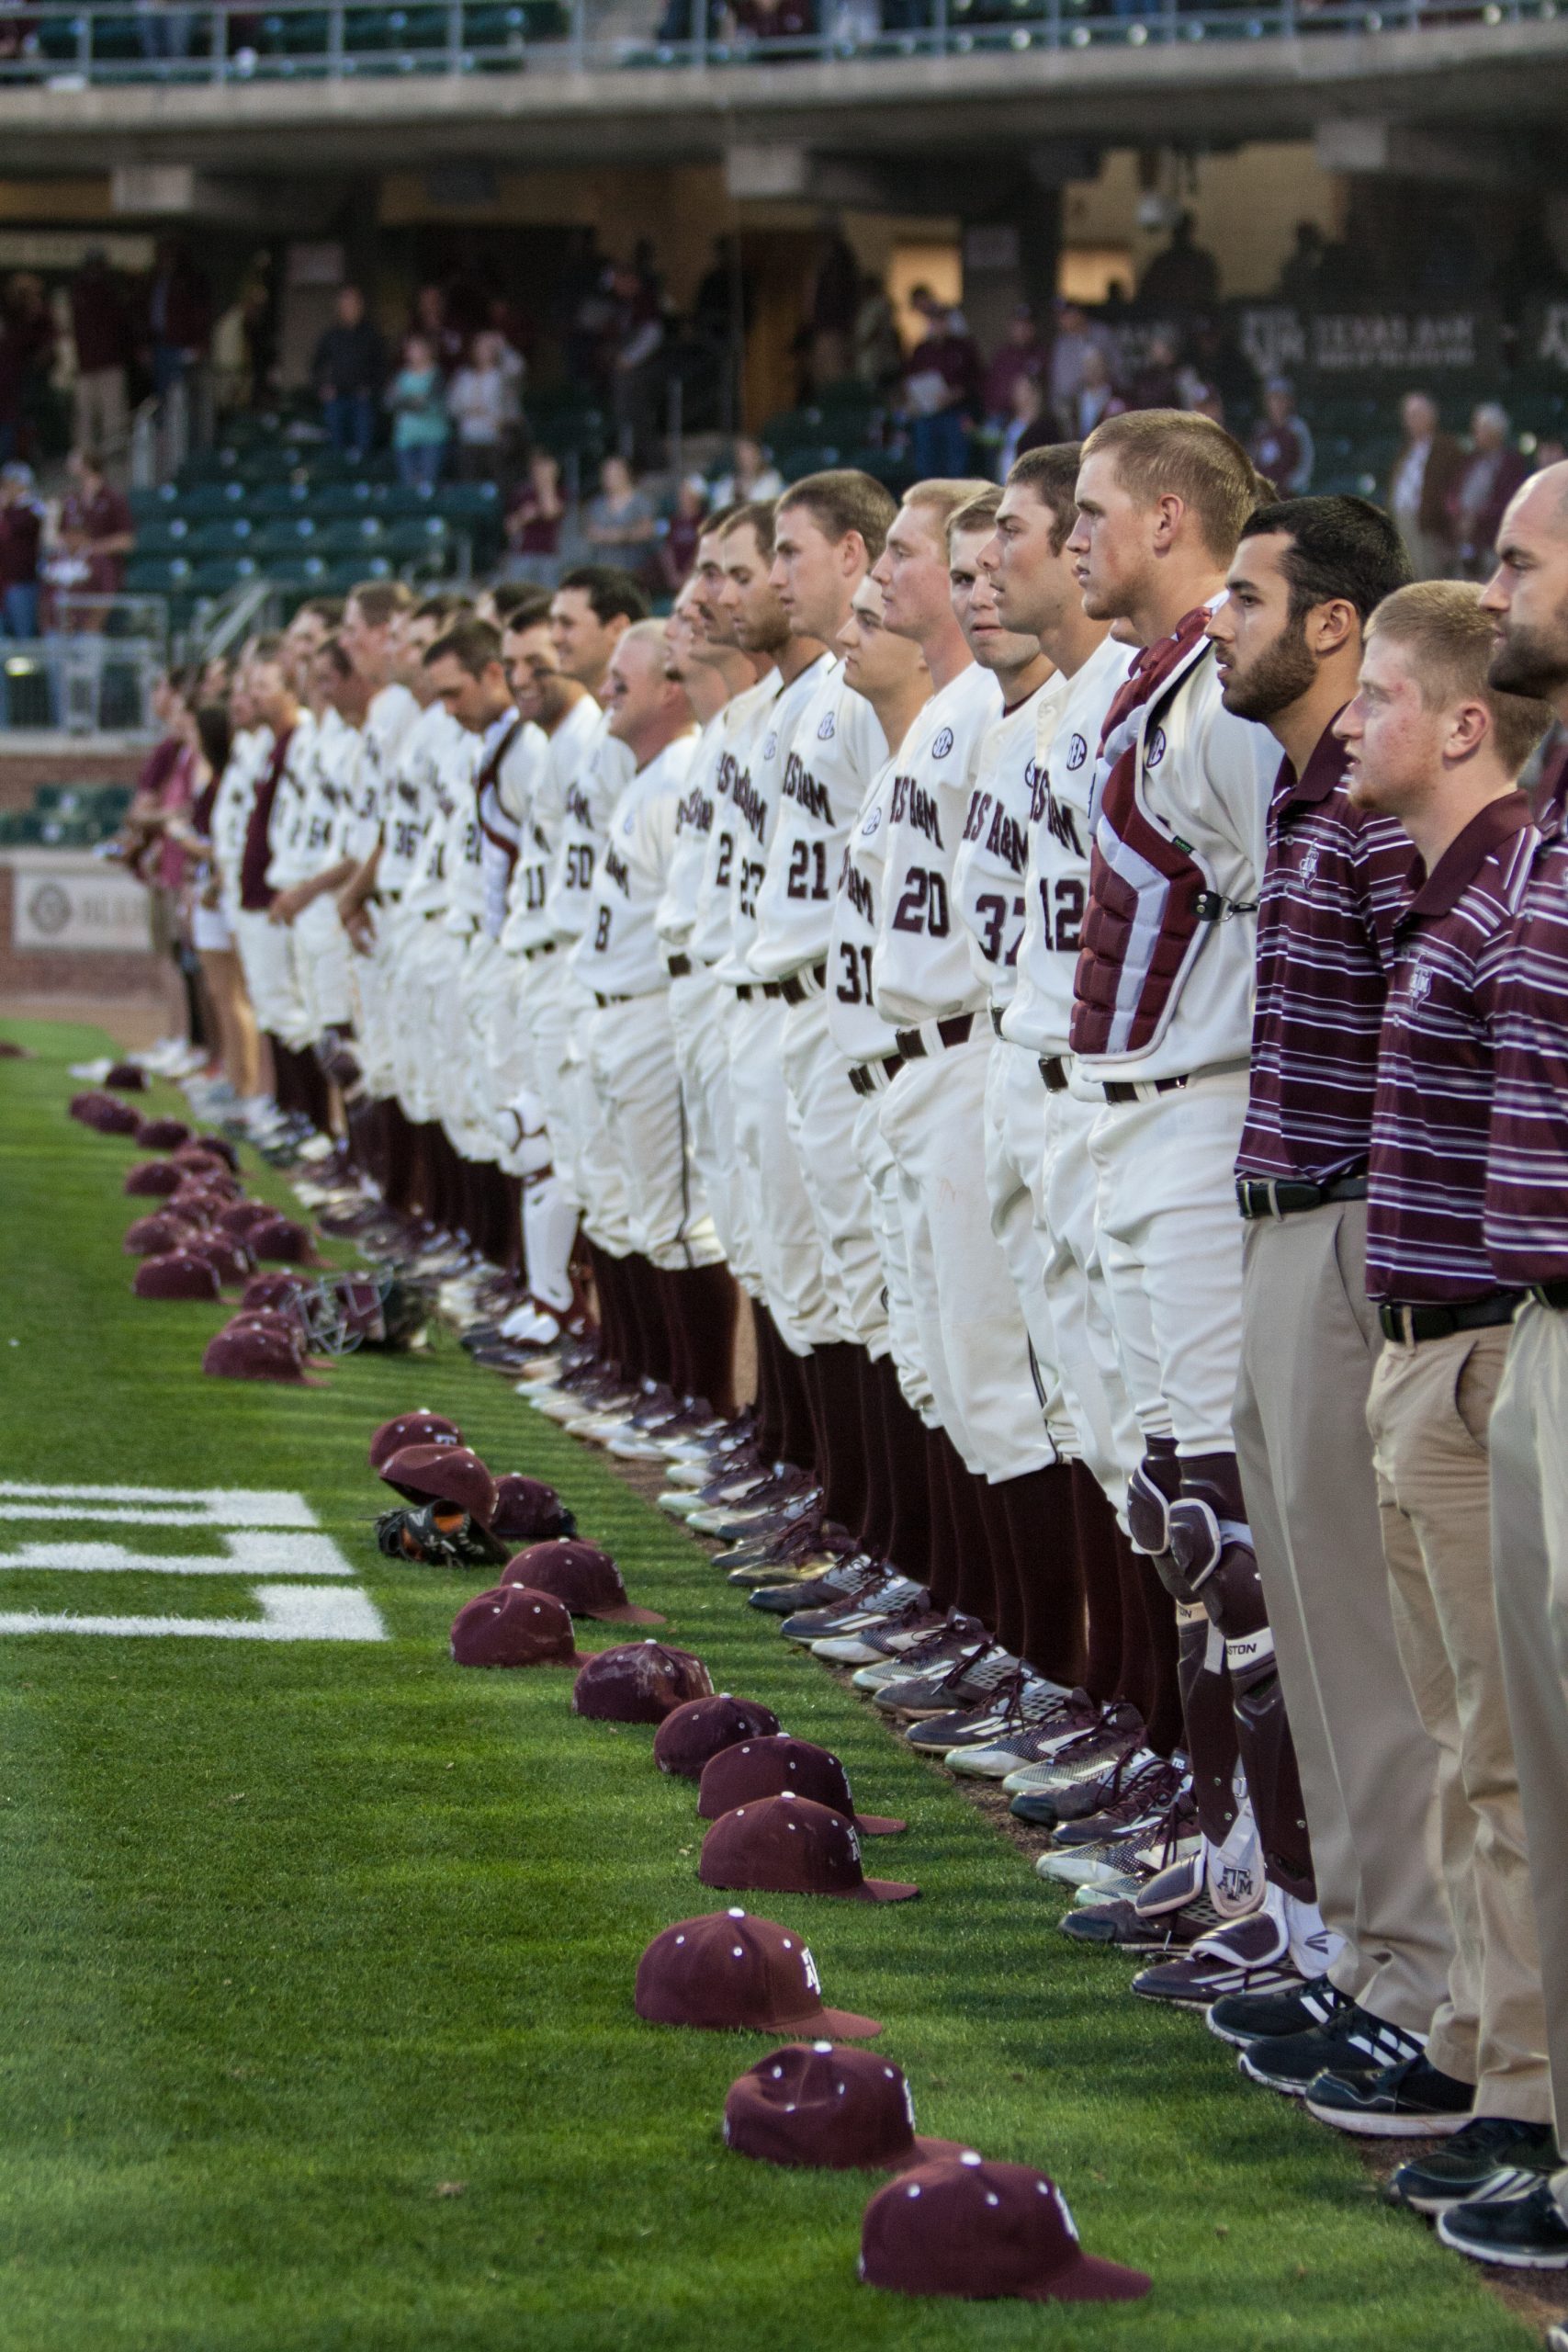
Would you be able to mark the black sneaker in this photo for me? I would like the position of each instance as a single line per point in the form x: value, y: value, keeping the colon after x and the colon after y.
x: 1350, y: 2041
x: 1413, y: 2100
x: 1474, y: 2161
x: 1242, y: 2019
x: 1519, y: 2227
x: 1557, y: 2338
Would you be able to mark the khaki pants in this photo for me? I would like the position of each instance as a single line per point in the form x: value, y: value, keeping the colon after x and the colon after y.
x: 1369, y: 1769
x: 1530, y: 1501
x: 101, y: 415
x: 1429, y: 1414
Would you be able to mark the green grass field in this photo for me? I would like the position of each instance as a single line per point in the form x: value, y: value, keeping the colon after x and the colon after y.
x: 317, y: 1957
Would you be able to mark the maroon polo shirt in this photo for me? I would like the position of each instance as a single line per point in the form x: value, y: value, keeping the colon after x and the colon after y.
x: 1335, y: 880
x: 255, y: 895
x: 1527, y: 1168
x: 1425, y: 1217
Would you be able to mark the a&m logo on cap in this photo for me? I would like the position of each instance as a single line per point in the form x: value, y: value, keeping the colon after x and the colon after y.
x: 941, y: 743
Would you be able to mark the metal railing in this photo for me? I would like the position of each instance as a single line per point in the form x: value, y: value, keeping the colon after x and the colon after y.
x: 66, y: 47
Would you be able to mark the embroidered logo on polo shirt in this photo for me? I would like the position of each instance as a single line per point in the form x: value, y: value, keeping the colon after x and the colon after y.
x: 1308, y: 867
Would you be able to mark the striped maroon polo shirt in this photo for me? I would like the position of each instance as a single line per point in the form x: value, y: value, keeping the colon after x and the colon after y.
x: 1527, y: 1174
x: 1426, y: 1238
x: 1335, y: 880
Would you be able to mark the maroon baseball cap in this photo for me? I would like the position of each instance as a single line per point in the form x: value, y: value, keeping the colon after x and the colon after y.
x: 639, y: 1683
x: 126, y: 1077
x: 444, y: 1473
x: 211, y: 1180
x: 209, y: 1148
x: 406, y: 1429
x: 271, y: 1290
x: 509, y: 1625
x: 965, y: 2227
x: 812, y: 2103
x: 103, y: 1112
x: 153, y: 1176
x: 767, y: 1768
x: 526, y: 1510
x: 239, y: 1216
x: 154, y: 1236
x: 688, y: 1738
x: 229, y: 1260
x: 728, y: 1972
x: 180, y: 1275
x: 788, y: 1845
x: 161, y: 1134
x: 279, y: 1236
x: 246, y: 1349
x: 194, y: 1202
x: 583, y: 1579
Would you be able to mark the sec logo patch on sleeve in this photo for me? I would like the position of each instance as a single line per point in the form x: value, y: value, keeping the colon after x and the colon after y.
x: 1077, y: 752
x: 941, y: 743
x: 824, y: 731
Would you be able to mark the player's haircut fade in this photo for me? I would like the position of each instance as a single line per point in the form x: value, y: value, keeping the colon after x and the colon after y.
x: 844, y: 500
x: 530, y: 610
x: 473, y: 644
x: 1175, y: 453
x: 613, y: 594
x: 509, y: 596
x: 975, y: 514
x: 1051, y: 475
x: 758, y: 515
x: 941, y: 498
x: 1449, y: 643
x: 380, y: 601
x: 444, y: 605
x: 715, y: 526
x: 1338, y: 548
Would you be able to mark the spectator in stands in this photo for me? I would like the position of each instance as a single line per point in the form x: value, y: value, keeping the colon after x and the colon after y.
x: 534, y: 523
x: 941, y: 388
x: 94, y: 534
x: 486, y: 412
x: 1299, y: 278
x: 1029, y: 425
x: 21, y: 526
x: 1098, y: 398
x: 347, y: 372
x: 432, y: 319
x: 1182, y: 278
x: 1075, y: 338
x: 879, y: 354
x: 678, y: 549
x: 1158, y: 383
x: 835, y: 300
x: 27, y: 355
x: 101, y: 330
x: 620, y: 525
x: 1492, y: 473
x: 179, y: 316
x: 1425, y: 477
x: 773, y: 23
x: 1281, y: 444
x: 417, y: 399
x: 635, y: 369
x: 752, y: 475
x: 1020, y: 352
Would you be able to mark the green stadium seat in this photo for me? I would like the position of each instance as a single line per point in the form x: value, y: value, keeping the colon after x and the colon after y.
x: 225, y: 535
x: 307, y: 572
x: 335, y: 499
x: 412, y: 541
x: 280, y: 499
x: 797, y: 463
x: 207, y: 500
x: 342, y: 579
x: 216, y: 576
x: 352, y: 538
x: 158, y: 576
x: 162, y: 535
x: 283, y: 536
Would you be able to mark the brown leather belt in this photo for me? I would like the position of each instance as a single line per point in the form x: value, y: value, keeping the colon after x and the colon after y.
x: 795, y: 990
x: 954, y: 1031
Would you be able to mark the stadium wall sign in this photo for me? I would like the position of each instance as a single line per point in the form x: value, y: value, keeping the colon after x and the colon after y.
x: 259, y: 1536
x: 65, y: 904
x: 1280, y: 340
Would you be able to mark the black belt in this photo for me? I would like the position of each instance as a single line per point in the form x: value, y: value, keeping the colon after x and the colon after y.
x: 1549, y: 1295
x: 953, y: 1031
x: 1054, y: 1071
x: 795, y: 990
x: 1414, y: 1324
x: 749, y: 989
x: 603, y: 1001
x: 679, y: 966
x: 864, y: 1078
x: 1119, y: 1089
x: 1258, y: 1196
x: 996, y: 1018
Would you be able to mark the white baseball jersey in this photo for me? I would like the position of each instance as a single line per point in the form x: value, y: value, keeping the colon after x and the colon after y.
x: 451, y: 787
x: 410, y: 799
x: 1205, y: 779
x: 987, y: 873
x: 693, y: 823
x: 755, y: 797
x: 709, y: 937
x: 333, y: 755
x: 510, y: 766
x: 248, y: 754
x: 837, y: 748
x: 577, y: 732
x: 288, y: 825
x: 1055, y: 886
x: 619, y: 951
x: 590, y: 792
x: 392, y: 713
x: 853, y: 1023
x: 920, y: 967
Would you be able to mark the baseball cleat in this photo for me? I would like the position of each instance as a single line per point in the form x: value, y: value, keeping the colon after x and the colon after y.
x: 1060, y: 1758
x: 1347, y: 2038
x: 1413, y: 2100
x: 872, y: 1602
x: 971, y: 1728
x: 927, y: 1641
x: 974, y: 1677
x: 1242, y: 2019
x: 1117, y: 1925
x: 1488, y: 2156
x: 1519, y: 2225
x: 1247, y: 1958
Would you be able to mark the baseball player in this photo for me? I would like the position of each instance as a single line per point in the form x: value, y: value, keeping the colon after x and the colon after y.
x: 1161, y: 1032
x: 340, y: 697
x: 264, y: 947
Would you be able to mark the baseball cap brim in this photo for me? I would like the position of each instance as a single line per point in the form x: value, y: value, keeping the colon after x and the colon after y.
x: 1089, y: 2279
x: 924, y: 2150
x: 878, y: 1824
x: 883, y: 1890
x: 626, y: 1614
x: 840, y: 2023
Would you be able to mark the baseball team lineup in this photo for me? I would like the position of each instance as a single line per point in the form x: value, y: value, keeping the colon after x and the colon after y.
x: 1066, y: 983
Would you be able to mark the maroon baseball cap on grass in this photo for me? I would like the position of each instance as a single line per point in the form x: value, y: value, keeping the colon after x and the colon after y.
x: 246, y: 1349
x: 509, y: 1626
x: 153, y: 1176
x: 965, y: 2227
x: 639, y: 1683
x: 229, y: 1260
x: 102, y: 1112
x: 279, y: 1238
x: 421, y: 1428
x: 788, y: 1845
x: 179, y: 1274
x: 688, y: 1738
x: 211, y: 1180
x: 582, y: 1579
x: 527, y: 1511
x: 154, y: 1236
x: 209, y: 1147
x: 126, y: 1077
x: 812, y: 2103
x: 275, y: 1290
x: 161, y: 1134
x: 238, y: 1217
x: 453, y: 1475
x: 767, y: 1768
x: 728, y: 1971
